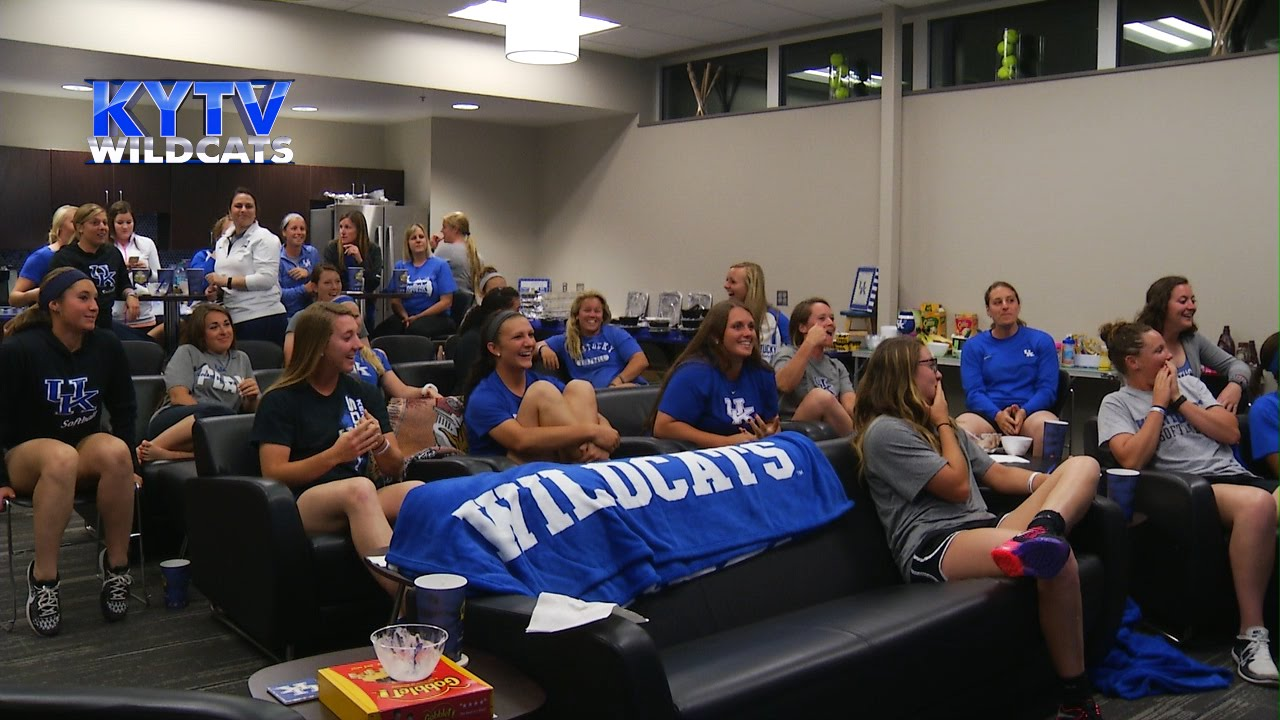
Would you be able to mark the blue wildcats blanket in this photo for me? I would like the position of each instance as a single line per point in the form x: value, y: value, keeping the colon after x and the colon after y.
x: 609, y: 531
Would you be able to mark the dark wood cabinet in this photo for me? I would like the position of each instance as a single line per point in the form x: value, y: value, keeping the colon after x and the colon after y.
x: 188, y: 197
x: 24, y: 185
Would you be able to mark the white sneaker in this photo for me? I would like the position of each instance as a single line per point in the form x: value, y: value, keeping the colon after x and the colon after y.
x: 1252, y: 653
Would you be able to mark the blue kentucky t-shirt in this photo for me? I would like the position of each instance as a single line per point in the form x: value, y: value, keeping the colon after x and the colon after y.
x: 700, y: 395
x: 366, y: 372
x: 426, y: 283
x: 490, y: 405
x: 603, y: 356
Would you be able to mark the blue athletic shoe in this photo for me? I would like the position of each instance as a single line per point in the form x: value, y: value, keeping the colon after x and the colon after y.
x: 1035, y: 553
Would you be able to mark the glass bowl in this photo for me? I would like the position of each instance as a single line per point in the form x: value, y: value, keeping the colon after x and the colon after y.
x: 408, y: 652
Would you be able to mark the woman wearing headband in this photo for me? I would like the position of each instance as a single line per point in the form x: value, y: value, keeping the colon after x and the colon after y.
x: 64, y: 372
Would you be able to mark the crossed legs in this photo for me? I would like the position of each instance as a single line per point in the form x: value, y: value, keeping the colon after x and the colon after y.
x: 821, y: 406
x: 545, y: 406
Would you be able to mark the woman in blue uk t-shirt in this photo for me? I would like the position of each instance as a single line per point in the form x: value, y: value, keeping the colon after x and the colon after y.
x: 1009, y: 373
x: 510, y: 410
x: 430, y: 285
x: 720, y: 391
x: 593, y: 350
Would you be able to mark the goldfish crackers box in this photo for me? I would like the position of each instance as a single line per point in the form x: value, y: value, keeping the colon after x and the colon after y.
x: 363, y: 691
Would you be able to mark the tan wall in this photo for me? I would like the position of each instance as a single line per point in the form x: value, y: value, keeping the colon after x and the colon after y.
x: 1081, y: 192
x: 671, y: 207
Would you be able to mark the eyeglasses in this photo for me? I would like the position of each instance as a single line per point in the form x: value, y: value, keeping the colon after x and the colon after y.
x: 931, y: 362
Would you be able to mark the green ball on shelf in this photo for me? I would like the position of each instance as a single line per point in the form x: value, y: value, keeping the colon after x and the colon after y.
x: 1011, y: 36
x: 1009, y: 61
x: 1004, y: 73
x: 837, y: 59
x: 842, y: 93
x: 1004, y: 48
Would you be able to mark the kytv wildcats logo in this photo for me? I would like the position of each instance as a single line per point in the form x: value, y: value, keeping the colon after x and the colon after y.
x: 257, y: 102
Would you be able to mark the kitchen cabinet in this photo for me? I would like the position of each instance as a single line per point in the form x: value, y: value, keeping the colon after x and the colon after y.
x: 76, y: 181
x: 24, y: 185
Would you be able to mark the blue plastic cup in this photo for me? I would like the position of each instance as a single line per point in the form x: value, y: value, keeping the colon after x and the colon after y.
x: 355, y: 279
x: 441, y: 601
x: 1055, y: 441
x: 165, y: 277
x: 195, y: 282
x: 177, y: 582
x: 1122, y: 485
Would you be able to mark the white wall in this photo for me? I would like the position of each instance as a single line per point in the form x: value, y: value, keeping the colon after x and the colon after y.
x: 66, y: 124
x: 1080, y: 192
x: 670, y: 207
x: 490, y: 173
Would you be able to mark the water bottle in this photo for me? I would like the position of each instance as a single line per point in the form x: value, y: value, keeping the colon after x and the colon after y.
x: 180, y: 278
x: 1226, y: 342
x: 1068, y: 351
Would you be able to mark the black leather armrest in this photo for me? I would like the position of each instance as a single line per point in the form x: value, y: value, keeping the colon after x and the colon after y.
x: 607, y: 669
x: 249, y: 551
x: 129, y: 703
x: 642, y: 446
x: 812, y: 429
x: 451, y: 466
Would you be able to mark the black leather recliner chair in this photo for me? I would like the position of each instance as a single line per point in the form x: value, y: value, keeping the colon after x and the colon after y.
x: 288, y: 593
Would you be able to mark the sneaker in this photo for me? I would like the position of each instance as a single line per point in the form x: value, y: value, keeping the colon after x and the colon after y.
x: 43, y: 613
x: 1253, y: 657
x: 1088, y: 710
x: 114, y: 598
x: 1035, y: 553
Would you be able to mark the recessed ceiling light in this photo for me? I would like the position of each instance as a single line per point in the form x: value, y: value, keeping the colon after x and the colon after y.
x: 304, y: 108
x: 492, y: 11
x: 465, y: 106
x: 76, y: 87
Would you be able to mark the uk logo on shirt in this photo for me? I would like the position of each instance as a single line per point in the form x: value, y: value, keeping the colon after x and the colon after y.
x: 70, y: 396
x: 104, y: 277
x: 739, y: 412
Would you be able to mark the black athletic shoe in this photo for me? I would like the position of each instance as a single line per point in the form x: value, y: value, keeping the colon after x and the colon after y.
x: 43, y: 613
x: 1087, y: 710
x: 114, y: 598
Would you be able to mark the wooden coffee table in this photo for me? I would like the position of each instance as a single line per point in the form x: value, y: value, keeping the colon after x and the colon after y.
x: 514, y: 694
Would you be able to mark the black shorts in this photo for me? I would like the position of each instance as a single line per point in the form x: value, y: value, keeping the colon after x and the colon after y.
x: 1244, y: 479
x: 926, y: 561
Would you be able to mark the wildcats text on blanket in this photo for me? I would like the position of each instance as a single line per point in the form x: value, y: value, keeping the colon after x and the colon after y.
x: 609, y: 531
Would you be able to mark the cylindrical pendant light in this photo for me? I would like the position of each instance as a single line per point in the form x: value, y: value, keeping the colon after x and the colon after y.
x: 542, y: 32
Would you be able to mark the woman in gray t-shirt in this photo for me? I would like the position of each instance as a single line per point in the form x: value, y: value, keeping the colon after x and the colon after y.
x: 922, y: 473
x: 205, y: 377
x: 1166, y: 422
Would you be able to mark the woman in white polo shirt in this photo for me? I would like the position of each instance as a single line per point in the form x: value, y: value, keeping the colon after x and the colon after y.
x: 246, y: 267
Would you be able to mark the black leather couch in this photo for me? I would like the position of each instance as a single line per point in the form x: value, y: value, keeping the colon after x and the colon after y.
x: 820, y: 627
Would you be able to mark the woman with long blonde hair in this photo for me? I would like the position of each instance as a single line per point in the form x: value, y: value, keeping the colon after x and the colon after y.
x: 745, y: 283
x: 325, y: 435
x: 454, y: 244
x: 593, y: 350
x: 430, y: 288
x: 27, y: 288
x: 922, y: 473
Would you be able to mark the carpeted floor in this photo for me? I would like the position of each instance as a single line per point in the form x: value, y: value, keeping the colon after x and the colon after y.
x: 187, y: 649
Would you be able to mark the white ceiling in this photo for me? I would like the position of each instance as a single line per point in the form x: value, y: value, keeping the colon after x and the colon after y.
x: 650, y: 28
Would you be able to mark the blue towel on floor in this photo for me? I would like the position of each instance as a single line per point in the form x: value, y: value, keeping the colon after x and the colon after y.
x: 1141, y: 665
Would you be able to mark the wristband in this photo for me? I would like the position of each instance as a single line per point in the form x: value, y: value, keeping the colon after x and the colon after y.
x: 1158, y: 409
x: 386, y: 445
x: 1173, y: 406
x: 1031, y: 483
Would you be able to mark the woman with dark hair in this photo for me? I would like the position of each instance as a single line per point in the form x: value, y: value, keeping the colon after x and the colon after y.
x: 353, y: 249
x: 1009, y: 373
x: 1167, y: 421
x: 325, y: 434
x: 426, y: 311
x: 297, y: 260
x: 62, y: 372
x: 923, y: 473
x: 140, y: 254
x: 26, y: 290
x: 465, y: 347
x: 511, y: 411
x: 593, y: 350
x: 745, y: 283
x: 1264, y: 414
x: 1170, y: 309
x: 247, y: 269
x: 814, y: 387
x: 91, y: 253
x: 206, y: 377
x: 719, y: 391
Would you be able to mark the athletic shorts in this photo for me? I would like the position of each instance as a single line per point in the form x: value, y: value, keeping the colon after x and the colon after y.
x: 926, y: 561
